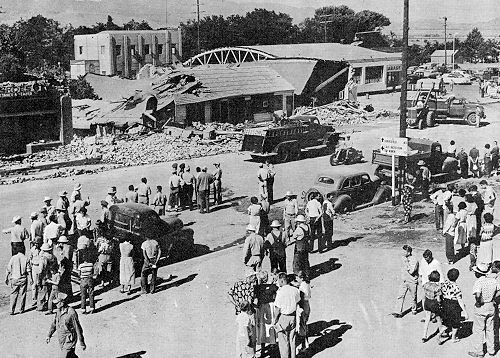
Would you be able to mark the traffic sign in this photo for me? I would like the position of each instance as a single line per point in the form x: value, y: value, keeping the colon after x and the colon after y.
x: 394, y: 146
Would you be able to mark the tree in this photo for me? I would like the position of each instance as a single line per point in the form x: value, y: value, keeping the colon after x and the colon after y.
x: 135, y: 25
x: 367, y: 20
x: 110, y: 25
x: 80, y: 89
x: 11, y: 68
x: 473, y: 48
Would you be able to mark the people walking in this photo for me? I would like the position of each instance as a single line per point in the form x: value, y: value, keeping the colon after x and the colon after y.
x: 254, y: 213
x: 290, y: 211
x: 432, y: 305
x: 453, y: 304
x: 438, y: 199
x: 275, y: 246
x: 305, y: 297
x: 217, y: 175
x: 151, y: 252
x: 314, y: 211
x: 68, y: 328
x: 127, y: 271
x: 301, y: 237
x: 245, y: 333
x: 18, y: 234
x: 253, y: 249
x: 143, y: 192
x: 203, y: 188
x: 262, y: 174
x: 485, y: 289
x: 409, y: 281
x: 427, y: 265
x: 17, y: 278
x: 87, y: 276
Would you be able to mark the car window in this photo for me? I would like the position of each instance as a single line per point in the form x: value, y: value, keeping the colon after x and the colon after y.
x: 347, y: 183
x: 457, y: 101
x: 326, y: 180
x: 356, y: 181
x: 122, y: 219
x: 365, y: 179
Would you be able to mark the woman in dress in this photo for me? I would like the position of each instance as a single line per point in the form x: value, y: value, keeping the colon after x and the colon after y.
x: 407, y: 199
x: 127, y: 271
x: 453, y: 304
x: 254, y: 211
x: 245, y: 333
x: 432, y: 304
x: 264, y: 311
x: 485, y: 250
x: 471, y: 223
x: 461, y: 225
x: 305, y: 296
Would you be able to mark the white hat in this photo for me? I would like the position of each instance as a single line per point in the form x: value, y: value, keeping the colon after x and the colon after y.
x: 300, y: 218
x: 45, y: 247
x: 289, y: 193
x: 16, y: 218
x: 62, y: 239
x: 481, y: 268
x: 63, y: 193
x: 60, y: 297
x: 250, y: 227
x: 78, y: 186
x: 47, y: 198
x: 34, y: 215
x: 275, y: 223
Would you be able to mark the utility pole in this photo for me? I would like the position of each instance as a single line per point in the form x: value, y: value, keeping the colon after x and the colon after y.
x: 404, y: 88
x: 324, y: 22
x: 198, y: 24
x: 445, y: 54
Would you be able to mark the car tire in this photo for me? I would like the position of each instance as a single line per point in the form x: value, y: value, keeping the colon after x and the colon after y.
x: 431, y: 119
x: 421, y: 124
x: 472, y: 119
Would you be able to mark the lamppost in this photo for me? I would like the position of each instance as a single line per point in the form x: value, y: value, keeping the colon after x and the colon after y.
x: 453, y: 55
x: 445, y: 38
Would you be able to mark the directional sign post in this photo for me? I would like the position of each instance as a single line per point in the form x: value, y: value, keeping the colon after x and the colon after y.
x: 394, y: 147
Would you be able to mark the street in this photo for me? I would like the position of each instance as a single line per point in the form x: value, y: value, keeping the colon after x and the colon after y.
x: 354, y: 286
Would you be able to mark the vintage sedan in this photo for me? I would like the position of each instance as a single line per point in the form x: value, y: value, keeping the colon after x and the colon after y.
x: 350, y: 191
x: 457, y: 78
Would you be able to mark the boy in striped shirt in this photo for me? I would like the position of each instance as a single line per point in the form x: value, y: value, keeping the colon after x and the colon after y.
x: 86, y: 271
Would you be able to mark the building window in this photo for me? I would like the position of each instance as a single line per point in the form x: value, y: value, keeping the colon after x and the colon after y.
x: 103, y: 72
x: 118, y: 49
x: 374, y: 74
x: 265, y: 104
x: 356, y: 75
x: 103, y: 48
x: 132, y: 49
x: 80, y: 50
x: 160, y: 49
x: 146, y: 49
x: 393, y: 78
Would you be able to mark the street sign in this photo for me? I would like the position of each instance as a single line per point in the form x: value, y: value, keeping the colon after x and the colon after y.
x: 394, y: 146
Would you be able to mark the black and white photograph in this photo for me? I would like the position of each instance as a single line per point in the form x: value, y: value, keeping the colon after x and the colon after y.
x: 249, y: 178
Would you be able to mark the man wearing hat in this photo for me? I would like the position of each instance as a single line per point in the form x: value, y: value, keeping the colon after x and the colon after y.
x: 34, y: 268
x: 290, y: 211
x: 426, y: 178
x: 17, y: 278
x: 37, y: 227
x: 262, y: 174
x: 68, y: 327
x: 105, y: 215
x: 438, y: 199
x: 143, y: 192
x: 489, y: 197
x: 49, y: 208
x: 484, y: 290
x: 111, y: 198
x: 63, y: 220
x: 203, y: 187
x: 270, y: 181
x: 253, y: 249
x: 409, y: 282
x: 76, y: 194
x: 17, y: 235
x: 217, y: 184
x: 63, y: 202
x: 48, y: 265
x: 275, y: 246
x: 301, y: 237
x: 83, y: 223
x: 189, y: 184
x: 52, y: 231
x: 174, y: 183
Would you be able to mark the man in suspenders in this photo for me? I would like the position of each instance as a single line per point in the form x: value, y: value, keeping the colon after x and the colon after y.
x: 275, y: 245
x: 301, y: 236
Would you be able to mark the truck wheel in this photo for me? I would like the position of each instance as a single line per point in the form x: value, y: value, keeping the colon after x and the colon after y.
x: 283, y: 155
x: 421, y: 124
x: 431, y: 119
x: 472, y: 119
x: 333, y: 160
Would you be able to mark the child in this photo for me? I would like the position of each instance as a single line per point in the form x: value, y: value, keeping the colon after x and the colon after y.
x: 86, y: 271
x: 485, y: 249
x: 305, y: 296
x: 159, y: 201
x: 432, y: 304
x: 245, y: 336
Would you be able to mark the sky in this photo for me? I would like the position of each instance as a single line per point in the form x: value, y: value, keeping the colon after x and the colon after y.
x: 458, y: 11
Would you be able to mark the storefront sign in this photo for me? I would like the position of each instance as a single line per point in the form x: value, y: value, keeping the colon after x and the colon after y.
x: 21, y: 89
x: 394, y: 68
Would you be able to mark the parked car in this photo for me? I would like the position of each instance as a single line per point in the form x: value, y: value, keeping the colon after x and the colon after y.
x: 350, y: 192
x: 457, y: 78
x: 139, y: 221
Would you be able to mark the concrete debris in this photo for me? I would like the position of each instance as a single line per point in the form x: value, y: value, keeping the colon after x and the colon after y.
x: 343, y: 113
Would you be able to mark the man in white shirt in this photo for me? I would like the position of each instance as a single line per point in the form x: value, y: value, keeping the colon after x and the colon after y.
x: 314, y: 211
x: 262, y: 175
x: 174, y: 183
x: 438, y: 199
x: 489, y: 197
x: 290, y: 211
x: 285, y: 307
x: 427, y: 265
x: 452, y: 149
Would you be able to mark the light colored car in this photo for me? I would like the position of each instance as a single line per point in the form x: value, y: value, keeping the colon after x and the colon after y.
x: 457, y: 78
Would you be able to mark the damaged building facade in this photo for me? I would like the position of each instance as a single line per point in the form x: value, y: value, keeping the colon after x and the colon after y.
x: 33, y: 114
x: 123, y: 52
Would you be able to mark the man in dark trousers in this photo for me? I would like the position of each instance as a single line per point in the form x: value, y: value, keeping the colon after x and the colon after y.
x: 463, y: 160
x: 270, y: 181
x: 68, y: 328
x: 203, y: 187
x: 152, y: 253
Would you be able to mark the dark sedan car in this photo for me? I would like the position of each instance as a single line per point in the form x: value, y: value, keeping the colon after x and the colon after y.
x: 350, y: 191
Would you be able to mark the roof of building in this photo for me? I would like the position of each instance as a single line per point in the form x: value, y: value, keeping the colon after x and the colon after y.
x: 327, y: 51
x: 296, y: 71
x: 115, y: 88
x: 440, y: 53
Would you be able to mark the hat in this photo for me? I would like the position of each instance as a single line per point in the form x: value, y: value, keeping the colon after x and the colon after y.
x: 250, y: 228
x: 261, y: 165
x: 47, y: 198
x: 483, y: 182
x: 15, y: 219
x: 420, y: 162
x: 112, y: 190
x: 188, y: 168
x: 174, y: 165
x: 204, y: 168
x: 481, y: 268
x: 63, y: 193
x: 407, y: 248
x: 275, y: 223
x: 60, y: 297
x: 78, y: 186
x: 62, y: 239
x: 289, y: 193
x: 300, y: 218
x: 216, y: 163
x: 46, y: 247
x: 43, y: 210
x: 104, y: 203
x: 34, y: 215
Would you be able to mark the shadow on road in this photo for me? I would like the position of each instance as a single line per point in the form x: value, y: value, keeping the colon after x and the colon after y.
x: 166, y: 286
x: 324, y: 268
x: 115, y: 303
x: 344, y: 242
x: 327, y: 337
x: 133, y: 355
